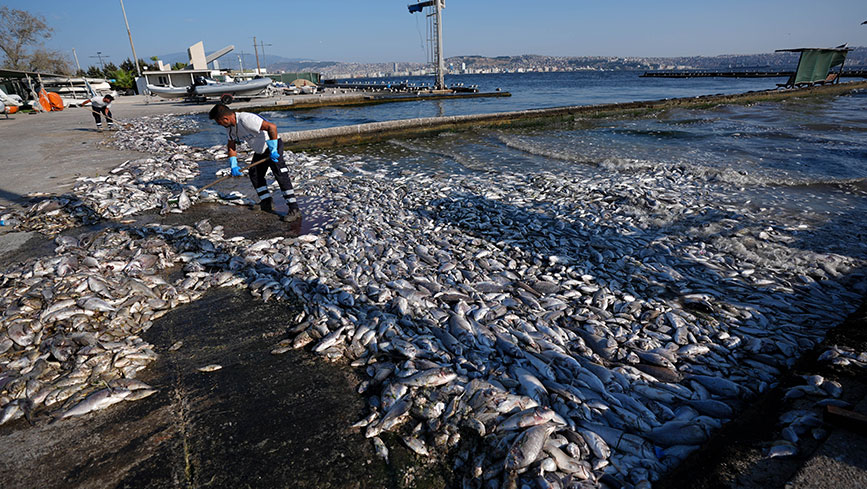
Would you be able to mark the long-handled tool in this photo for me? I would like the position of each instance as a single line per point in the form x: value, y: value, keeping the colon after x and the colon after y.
x: 112, y: 120
x: 251, y: 165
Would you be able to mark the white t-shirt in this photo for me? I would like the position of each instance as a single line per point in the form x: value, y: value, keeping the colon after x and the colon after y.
x: 97, y: 102
x: 247, y: 129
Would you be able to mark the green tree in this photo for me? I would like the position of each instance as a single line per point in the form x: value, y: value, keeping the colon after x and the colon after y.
x: 95, y: 72
x: 124, y: 79
x: 20, y: 30
x: 128, y: 65
x: 179, y: 66
x: 108, y: 71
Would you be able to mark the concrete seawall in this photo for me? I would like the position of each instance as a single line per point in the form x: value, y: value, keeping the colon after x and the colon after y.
x: 378, y: 131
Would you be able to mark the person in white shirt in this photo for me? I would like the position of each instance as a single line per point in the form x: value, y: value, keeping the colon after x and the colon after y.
x: 101, y: 106
x: 261, y: 136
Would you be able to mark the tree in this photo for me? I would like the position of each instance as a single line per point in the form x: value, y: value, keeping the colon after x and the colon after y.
x: 179, y: 66
x: 20, y: 30
x: 108, y: 71
x: 95, y: 72
x: 124, y: 79
x: 127, y: 65
x: 51, y: 61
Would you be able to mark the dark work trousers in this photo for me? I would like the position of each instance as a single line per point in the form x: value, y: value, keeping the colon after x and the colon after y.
x: 98, y: 118
x: 281, y: 174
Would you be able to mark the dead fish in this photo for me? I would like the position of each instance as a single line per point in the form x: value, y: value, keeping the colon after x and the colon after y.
x: 380, y: 448
x: 527, y: 447
x: 678, y: 432
x: 782, y: 448
x: 416, y: 445
x: 210, y: 368
x: 524, y: 419
x: 430, y: 378
x: 100, y: 399
x: 184, y: 201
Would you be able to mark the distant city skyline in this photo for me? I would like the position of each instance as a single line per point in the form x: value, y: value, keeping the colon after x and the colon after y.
x: 384, y: 31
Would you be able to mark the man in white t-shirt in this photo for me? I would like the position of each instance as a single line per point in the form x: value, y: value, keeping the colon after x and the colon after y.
x: 101, y: 106
x: 261, y: 136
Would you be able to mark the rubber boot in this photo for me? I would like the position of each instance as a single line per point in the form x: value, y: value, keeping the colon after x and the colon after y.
x: 266, y: 205
x: 293, y: 214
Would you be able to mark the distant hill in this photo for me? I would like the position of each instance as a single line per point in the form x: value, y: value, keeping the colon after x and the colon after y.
x: 528, y: 62
x: 230, y: 61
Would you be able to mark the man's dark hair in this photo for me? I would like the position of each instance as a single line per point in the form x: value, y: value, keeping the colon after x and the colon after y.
x: 218, y: 111
x: 108, y: 97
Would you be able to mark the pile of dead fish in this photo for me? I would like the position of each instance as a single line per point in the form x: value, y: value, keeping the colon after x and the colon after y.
x: 156, y: 182
x: 550, y: 317
x: 583, y: 329
x: 844, y: 356
x: 50, y: 216
x: 808, y: 400
x: 806, y: 419
x: 70, y: 339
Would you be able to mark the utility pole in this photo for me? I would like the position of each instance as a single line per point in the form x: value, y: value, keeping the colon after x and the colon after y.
x: 256, y: 50
x: 128, y: 33
x: 264, y: 59
x: 76, y: 59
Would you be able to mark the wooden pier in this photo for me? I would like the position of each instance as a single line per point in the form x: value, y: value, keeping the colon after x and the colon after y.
x: 738, y: 74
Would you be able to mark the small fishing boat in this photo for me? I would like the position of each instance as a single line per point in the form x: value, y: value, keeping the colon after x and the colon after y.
x: 209, y: 88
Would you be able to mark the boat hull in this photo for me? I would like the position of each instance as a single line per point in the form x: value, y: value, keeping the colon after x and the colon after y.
x: 236, y: 89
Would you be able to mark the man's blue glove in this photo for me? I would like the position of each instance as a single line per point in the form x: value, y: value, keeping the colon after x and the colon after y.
x: 272, y: 145
x: 236, y: 170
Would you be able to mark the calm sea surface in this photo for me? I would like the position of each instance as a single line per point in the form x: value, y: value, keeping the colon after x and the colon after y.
x: 529, y: 91
x: 795, y: 156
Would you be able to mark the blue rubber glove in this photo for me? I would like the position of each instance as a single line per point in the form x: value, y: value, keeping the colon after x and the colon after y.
x: 236, y: 170
x: 272, y: 145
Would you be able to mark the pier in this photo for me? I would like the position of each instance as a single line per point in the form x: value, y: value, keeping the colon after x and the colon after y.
x: 738, y: 74
x: 300, y: 102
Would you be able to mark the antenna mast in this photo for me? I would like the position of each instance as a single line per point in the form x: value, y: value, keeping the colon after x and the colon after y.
x: 437, y: 5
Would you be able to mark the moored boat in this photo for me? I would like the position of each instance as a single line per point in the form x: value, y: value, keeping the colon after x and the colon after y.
x: 205, y: 89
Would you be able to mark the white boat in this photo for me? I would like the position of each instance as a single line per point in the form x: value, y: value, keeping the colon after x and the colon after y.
x: 11, y: 99
x: 75, y: 87
x: 210, y: 88
x: 169, y: 92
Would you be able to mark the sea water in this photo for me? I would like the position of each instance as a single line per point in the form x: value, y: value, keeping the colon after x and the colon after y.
x: 790, y: 158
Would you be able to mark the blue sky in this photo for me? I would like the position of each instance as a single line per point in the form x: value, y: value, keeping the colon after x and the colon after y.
x: 383, y: 30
